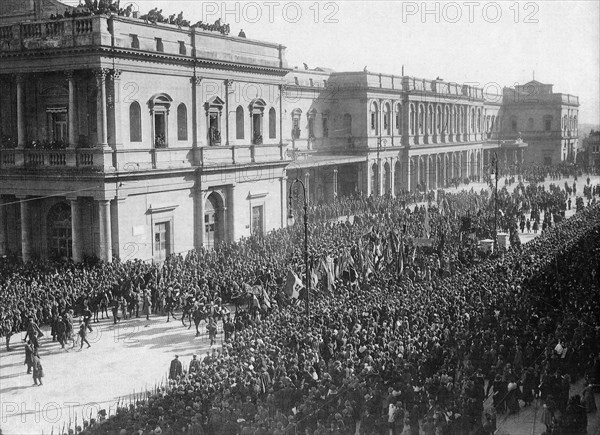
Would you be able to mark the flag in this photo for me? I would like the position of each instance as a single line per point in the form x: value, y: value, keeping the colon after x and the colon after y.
x: 266, y: 298
x: 293, y: 285
x: 401, y: 258
x: 314, y: 279
x: 329, y: 269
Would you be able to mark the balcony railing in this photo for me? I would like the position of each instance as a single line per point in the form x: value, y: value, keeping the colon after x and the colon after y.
x: 65, y: 33
x: 36, y: 159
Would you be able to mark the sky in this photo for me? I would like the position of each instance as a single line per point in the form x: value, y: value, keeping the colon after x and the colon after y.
x: 484, y: 43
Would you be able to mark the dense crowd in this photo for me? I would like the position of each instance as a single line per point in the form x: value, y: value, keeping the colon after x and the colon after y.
x: 407, y: 337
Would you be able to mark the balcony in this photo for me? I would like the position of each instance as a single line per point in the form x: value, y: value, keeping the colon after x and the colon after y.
x: 70, y: 32
x: 89, y: 159
x: 125, y: 160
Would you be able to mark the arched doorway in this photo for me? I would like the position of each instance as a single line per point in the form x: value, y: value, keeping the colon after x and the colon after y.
x: 214, y: 221
x: 387, y: 180
x: 58, y: 224
x: 374, y: 179
x: 398, y: 178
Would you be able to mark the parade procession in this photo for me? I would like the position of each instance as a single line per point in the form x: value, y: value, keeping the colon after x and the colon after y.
x: 198, y: 238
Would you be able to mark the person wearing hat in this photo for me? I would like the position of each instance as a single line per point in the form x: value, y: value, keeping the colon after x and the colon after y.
x: 176, y: 369
x: 33, y: 333
x: 29, y: 356
x: 38, y: 371
x: 194, y: 365
x: 83, y: 334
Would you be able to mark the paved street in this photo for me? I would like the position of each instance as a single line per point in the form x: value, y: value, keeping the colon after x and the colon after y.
x: 124, y: 360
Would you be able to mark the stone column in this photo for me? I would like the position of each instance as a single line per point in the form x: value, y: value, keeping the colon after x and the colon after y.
x: 3, y: 228
x: 101, y: 120
x: 76, y: 242
x: 444, y: 168
x: 105, y: 245
x: 116, y: 85
x: 72, y: 111
x: 335, y: 183
x: 435, y: 175
x: 427, y: 174
x: 20, y: 79
x: 283, y: 199
x: 393, y: 176
x: 26, y: 248
x: 228, y: 84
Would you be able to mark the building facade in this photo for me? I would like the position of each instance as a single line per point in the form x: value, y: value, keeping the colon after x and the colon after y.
x: 546, y: 120
x: 378, y: 134
x: 125, y: 139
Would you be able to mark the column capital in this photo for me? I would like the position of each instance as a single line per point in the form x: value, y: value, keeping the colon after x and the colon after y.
x: 196, y: 80
x: 101, y: 74
x: 116, y: 74
x: 19, y: 78
x: 228, y: 83
x: 69, y: 74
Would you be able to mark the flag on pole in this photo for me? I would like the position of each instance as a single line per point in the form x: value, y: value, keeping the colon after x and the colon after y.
x: 266, y: 298
x: 293, y: 285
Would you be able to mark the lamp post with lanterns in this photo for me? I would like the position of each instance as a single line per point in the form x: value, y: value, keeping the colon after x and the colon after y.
x: 291, y: 223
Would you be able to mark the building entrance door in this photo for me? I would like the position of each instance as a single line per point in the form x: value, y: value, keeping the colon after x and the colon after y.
x: 162, y: 236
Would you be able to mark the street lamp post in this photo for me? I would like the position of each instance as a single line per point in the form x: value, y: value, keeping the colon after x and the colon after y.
x: 291, y: 222
x: 495, y: 164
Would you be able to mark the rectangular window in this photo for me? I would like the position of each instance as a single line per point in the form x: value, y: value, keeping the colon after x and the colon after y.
x: 325, y: 127
x: 160, y: 130
x: 59, y: 127
x: 296, y: 128
x: 162, y: 237
x: 257, y: 221
x: 548, y: 124
x: 513, y: 125
x: 182, y: 49
x: 311, y: 82
x: 135, y: 42
x: 159, y: 45
x: 311, y: 127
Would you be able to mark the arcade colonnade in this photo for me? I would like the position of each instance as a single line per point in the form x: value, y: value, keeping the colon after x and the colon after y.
x: 389, y: 175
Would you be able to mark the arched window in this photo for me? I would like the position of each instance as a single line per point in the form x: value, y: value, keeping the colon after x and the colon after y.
x: 135, y: 122
x: 413, y: 120
x: 272, y: 123
x: 159, y: 107
x: 374, y: 118
x: 387, y: 127
x: 239, y: 123
x: 429, y: 122
x: 399, y: 118
x: 182, y: 130
x: 513, y: 124
x: 348, y: 124
x: 296, y: 114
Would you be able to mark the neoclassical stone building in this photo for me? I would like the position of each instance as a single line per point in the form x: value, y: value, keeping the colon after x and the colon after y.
x: 122, y: 138
x: 125, y: 139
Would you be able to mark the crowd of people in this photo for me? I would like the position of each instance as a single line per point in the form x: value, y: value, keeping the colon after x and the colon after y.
x: 402, y: 336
